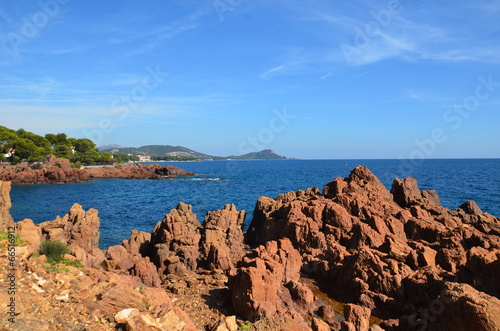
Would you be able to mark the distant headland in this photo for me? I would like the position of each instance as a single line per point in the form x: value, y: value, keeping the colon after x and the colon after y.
x: 23, y: 146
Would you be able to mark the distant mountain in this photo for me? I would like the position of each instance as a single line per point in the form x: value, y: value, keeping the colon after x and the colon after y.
x: 267, y: 154
x: 163, y: 150
x: 180, y: 152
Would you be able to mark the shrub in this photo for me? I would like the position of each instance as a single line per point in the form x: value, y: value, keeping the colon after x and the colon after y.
x: 54, y: 250
x: 7, y: 236
x: 245, y: 326
x: 76, y: 164
x: 72, y: 263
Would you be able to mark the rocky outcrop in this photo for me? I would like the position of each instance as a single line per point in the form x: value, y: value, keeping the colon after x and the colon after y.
x: 137, y: 171
x: 6, y: 220
x: 388, y: 251
x: 174, y: 246
x: 266, y: 284
x: 54, y: 170
x: 222, y: 238
x: 397, y: 254
x: 77, y: 228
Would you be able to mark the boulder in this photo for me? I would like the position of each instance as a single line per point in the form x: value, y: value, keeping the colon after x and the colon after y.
x: 356, y: 318
x: 471, y: 208
x: 406, y: 192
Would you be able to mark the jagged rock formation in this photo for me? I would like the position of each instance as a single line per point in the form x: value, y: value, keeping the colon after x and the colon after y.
x: 221, y: 242
x: 390, y: 251
x: 78, y: 227
x: 398, y: 255
x: 175, y: 242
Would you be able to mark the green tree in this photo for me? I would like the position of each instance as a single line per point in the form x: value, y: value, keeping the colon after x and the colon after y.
x: 57, y: 139
x: 106, y: 157
x: 63, y: 151
x: 84, y: 145
x: 90, y: 156
x: 23, y: 148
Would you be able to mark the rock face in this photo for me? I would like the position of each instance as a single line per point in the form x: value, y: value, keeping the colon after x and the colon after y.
x: 388, y: 251
x: 6, y: 220
x: 464, y: 308
x: 175, y: 242
x: 54, y: 170
x: 222, y: 238
x: 266, y: 283
x: 78, y: 228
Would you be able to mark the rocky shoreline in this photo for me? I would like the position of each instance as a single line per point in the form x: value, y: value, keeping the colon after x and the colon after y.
x: 54, y: 170
x: 395, y: 255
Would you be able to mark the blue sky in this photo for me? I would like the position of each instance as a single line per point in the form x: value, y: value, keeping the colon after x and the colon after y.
x: 315, y: 79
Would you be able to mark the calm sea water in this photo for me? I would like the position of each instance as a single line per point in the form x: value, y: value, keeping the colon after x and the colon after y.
x: 139, y: 204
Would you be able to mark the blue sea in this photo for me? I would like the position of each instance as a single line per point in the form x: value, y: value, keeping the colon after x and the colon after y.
x: 125, y: 205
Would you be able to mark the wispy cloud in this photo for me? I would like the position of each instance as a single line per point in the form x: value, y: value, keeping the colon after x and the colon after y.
x: 155, y: 38
x: 273, y: 71
x: 416, y: 33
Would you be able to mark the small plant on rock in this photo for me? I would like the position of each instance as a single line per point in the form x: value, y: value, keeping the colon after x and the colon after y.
x: 246, y: 326
x: 54, y: 250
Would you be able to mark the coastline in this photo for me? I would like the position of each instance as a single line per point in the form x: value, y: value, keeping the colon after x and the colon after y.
x: 386, y: 240
x: 54, y: 170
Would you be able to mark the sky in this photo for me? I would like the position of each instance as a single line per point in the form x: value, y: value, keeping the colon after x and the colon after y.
x: 309, y: 79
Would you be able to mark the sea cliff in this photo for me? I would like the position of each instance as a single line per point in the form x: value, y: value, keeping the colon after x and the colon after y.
x: 396, y: 259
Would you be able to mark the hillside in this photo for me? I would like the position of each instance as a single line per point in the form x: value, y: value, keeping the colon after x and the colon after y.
x: 180, y: 152
x: 267, y: 154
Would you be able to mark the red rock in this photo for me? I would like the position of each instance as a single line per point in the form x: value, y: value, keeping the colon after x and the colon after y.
x: 470, y: 207
x: 118, y: 258
x: 51, y: 171
x: 461, y: 308
x: 222, y: 238
x: 177, y: 235
x: 78, y: 228
x: 406, y: 192
x: 146, y: 271
x: 137, y: 171
x: 28, y: 231
x: 138, y: 243
x: 6, y: 220
x: 357, y: 316
x: 60, y: 171
x: 326, y: 312
x: 260, y: 286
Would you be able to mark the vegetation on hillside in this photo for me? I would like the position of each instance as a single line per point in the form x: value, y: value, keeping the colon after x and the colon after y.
x: 21, y: 145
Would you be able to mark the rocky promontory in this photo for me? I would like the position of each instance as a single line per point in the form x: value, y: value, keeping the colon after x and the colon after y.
x: 54, y: 170
x: 354, y: 256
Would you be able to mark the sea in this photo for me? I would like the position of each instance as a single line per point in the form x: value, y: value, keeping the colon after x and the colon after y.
x: 125, y: 204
